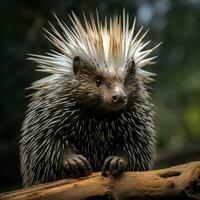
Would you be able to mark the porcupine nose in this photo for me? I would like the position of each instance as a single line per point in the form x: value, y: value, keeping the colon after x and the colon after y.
x: 119, y: 97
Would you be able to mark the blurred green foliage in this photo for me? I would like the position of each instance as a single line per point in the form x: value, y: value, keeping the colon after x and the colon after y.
x: 176, y: 90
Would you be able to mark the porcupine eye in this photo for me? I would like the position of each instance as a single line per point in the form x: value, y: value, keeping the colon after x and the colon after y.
x: 98, y: 81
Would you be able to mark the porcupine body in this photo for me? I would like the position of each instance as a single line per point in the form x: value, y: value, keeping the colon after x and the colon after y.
x: 93, y: 112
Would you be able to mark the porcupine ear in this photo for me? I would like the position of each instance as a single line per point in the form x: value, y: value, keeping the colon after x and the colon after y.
x: 79, y: 65
x: 76, y: 65
x: 130, y: 69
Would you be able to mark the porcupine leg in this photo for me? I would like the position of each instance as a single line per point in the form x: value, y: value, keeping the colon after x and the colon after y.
x: 114, y: 165
x: 76, y: 164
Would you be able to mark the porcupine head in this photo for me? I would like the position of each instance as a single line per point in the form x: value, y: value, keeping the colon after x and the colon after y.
x: 94, y: 103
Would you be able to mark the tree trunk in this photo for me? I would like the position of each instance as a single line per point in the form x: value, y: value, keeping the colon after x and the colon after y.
x: 178, y: 182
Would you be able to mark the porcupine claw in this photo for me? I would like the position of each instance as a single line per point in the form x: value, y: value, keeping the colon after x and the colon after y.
x: 113, y: 165
x: 77, y: 165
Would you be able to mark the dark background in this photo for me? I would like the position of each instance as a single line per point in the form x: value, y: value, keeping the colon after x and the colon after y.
x: 176, y: 91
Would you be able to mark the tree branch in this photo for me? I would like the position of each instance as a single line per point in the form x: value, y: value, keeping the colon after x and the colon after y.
x: 178, y: 182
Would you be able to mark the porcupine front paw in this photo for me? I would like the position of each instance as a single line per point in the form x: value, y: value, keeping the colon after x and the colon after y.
x: 113, y: 165
x: 77, y: 165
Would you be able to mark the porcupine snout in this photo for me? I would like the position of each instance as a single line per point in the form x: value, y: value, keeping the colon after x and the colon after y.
x: 119, y: 96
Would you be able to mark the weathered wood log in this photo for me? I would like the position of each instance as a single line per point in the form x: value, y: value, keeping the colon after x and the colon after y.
x: 178, y: 182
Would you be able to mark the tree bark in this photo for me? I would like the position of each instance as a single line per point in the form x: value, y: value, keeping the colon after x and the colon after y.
x: 178, y: 182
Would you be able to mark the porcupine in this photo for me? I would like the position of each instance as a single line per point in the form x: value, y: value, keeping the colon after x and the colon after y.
x: 94, y: 111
